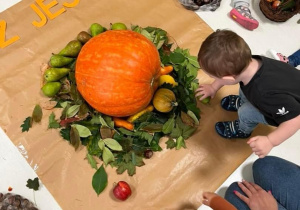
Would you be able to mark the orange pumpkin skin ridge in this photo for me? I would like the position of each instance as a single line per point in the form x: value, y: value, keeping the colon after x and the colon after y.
x: 117, y: 72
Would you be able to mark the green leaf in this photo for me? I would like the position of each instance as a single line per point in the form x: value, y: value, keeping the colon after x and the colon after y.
x: 65, y: 133
x: 193, y: 116
x: 72, y: 111
x: 138, y: 160
x: 109, y: 121
x: 188, y: 131
x: 82, y: 130
x: 101, y: 144
x: 102, y: 121
x: 37, y: 113
x: 180, y: 143
x: 27, y: 123
x: 95, y: 120
x: 170, y: 143
x: 93, y: 140
x: 99, y: 181
x: 151, y: 128
x: 144, y: 135
x: 126, y: 132
x: 107, y: 156
x: 177, y: 58
x: 112, y: 144
x: 130, y: 167
x: 52, y: 121
x: 91, y: 161
x: 168, y: 126
x: 194, y: 61
x: 74, y: 138
x: 176, y: 132
x: 33, y: 184
x: 64, y: 104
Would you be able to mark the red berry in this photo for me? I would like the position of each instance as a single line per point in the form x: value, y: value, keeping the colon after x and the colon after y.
x: 122, y: 190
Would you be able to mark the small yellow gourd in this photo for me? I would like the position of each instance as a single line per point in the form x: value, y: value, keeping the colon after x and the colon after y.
x: 164, y: 100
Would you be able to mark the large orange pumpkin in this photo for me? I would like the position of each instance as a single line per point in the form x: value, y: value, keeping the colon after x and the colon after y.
x: 117, y: 72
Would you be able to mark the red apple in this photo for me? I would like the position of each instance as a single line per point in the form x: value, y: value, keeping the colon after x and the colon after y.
x: 122, y: 190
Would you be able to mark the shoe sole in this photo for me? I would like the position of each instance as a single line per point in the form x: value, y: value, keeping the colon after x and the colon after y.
x: 244, y: 21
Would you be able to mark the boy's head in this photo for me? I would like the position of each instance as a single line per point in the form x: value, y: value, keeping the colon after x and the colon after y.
x: 224, y: 53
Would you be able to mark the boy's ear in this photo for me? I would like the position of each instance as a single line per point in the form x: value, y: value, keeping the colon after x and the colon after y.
x: 229, y: 78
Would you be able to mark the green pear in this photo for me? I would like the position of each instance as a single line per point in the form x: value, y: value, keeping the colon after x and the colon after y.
x: 118, y: 26
x: 96, y: 29
x: 72, y: 49
x: 55, y: 74
x: 50, y: 89
x: 83, y: 37
x: 60, y: 61
x: 206, y: 100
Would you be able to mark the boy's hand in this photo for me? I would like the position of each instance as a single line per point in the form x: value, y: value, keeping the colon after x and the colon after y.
x: 257, y: 198
x: 260, y: 145
x: 205, y: 91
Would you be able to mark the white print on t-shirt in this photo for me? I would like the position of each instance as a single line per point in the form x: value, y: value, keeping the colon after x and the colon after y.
x: 282, y: 111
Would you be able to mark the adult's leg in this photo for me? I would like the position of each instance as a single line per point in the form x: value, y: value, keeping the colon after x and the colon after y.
x: 233, y: 199
x: 281, y: 177
x: 294, y: 59
x: 236, y: 201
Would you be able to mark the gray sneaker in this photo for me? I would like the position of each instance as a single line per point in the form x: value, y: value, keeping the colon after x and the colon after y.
x: 189, y: 4
x: 211, y: 6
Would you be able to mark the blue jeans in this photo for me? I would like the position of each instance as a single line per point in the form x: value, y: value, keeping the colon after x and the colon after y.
x: 249, y: 116
x: 294, y: 59
x: 279, y: 176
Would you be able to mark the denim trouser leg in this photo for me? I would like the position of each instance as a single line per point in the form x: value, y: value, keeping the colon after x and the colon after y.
x: 238, y: 203
x: 249, y: 116
x: 233, y: 199
x: 281, y: 177
x: 294, y: 59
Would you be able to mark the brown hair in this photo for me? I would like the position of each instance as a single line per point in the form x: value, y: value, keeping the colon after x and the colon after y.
x: 224, y: 53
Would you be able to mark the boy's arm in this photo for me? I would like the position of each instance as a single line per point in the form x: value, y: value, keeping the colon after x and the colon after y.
x: 262, y: 145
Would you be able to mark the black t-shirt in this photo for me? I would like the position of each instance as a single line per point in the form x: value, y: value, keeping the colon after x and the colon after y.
x: 274, y: 90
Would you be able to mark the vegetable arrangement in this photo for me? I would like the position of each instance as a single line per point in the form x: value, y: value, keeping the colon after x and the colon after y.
x: 283, y: 5
x: 120, y: 91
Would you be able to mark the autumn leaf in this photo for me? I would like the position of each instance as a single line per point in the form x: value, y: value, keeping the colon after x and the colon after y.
x: 33, y: 184
x: 26, y: 124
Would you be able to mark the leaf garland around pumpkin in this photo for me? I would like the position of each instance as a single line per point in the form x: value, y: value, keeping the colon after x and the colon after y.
x: 79, y: 123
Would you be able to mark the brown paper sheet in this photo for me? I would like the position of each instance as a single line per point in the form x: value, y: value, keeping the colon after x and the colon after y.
x: 170, y: 179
